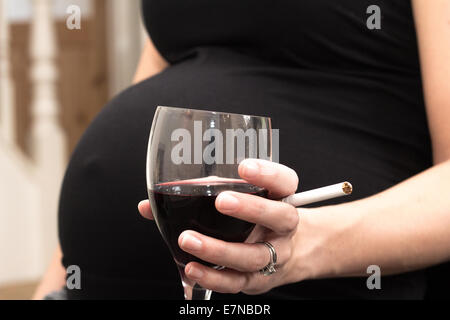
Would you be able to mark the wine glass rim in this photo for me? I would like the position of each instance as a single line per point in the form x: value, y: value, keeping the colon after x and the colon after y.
x: 213, y: 112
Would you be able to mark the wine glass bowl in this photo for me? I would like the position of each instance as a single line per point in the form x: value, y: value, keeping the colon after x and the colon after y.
x: 193, y: 155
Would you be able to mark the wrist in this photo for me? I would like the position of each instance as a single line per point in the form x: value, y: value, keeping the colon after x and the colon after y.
x: 323, y: 243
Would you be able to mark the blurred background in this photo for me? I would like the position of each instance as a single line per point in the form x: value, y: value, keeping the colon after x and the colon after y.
x: 56, y: 73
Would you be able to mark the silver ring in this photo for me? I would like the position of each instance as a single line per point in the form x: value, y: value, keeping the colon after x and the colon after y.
x: 270, y: 268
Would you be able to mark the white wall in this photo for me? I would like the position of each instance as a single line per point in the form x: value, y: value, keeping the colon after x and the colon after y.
x: 19, y: 234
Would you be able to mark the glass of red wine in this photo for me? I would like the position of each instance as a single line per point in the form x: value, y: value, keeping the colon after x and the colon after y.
x: 193, y: 155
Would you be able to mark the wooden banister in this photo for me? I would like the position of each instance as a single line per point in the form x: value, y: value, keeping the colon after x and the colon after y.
x: 7, y: 114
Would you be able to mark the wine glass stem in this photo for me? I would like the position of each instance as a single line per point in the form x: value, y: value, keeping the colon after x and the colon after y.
x: 199, y: 293
x: 196, y: 292
x: 192, y: 291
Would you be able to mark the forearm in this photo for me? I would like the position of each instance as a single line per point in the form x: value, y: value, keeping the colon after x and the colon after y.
x: 150, y: 63
x: 54, y: 279
x: 404, y: 228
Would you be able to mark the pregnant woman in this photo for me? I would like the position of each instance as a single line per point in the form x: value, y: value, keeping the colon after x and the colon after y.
x: 349, y: 103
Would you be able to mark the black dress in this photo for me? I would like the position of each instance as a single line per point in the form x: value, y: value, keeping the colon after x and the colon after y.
x: 347, y: 100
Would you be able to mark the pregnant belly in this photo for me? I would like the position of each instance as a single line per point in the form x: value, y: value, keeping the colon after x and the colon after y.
x: 330, y: 131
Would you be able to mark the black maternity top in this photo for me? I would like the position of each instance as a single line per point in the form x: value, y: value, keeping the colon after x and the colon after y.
x: 347, y: 100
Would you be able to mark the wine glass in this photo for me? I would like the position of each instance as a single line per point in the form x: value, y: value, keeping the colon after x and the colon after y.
x: 193, y: 155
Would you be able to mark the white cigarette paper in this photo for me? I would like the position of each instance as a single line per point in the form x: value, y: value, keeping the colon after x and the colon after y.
x: 320, y: 194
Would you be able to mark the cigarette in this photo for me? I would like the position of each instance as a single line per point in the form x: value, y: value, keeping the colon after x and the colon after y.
x: 320, y: 194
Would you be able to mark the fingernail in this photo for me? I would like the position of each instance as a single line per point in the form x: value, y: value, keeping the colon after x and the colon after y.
x: 190, y: 242
x: 194, y: 273
x: 227, y: 202
x: 251, y: 169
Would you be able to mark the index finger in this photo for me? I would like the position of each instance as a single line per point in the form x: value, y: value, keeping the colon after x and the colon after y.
x: 278, y: 179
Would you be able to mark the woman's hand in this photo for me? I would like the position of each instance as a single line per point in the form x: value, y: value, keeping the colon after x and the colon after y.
x: 276, y: 222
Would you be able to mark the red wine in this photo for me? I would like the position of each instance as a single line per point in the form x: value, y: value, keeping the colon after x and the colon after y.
x: 190, y: 205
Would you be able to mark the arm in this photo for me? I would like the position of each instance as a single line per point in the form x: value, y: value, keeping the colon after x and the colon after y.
x: 404, y: 228
x: 54, y: 279
x: 150, y: 64
x: 408, y: 226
